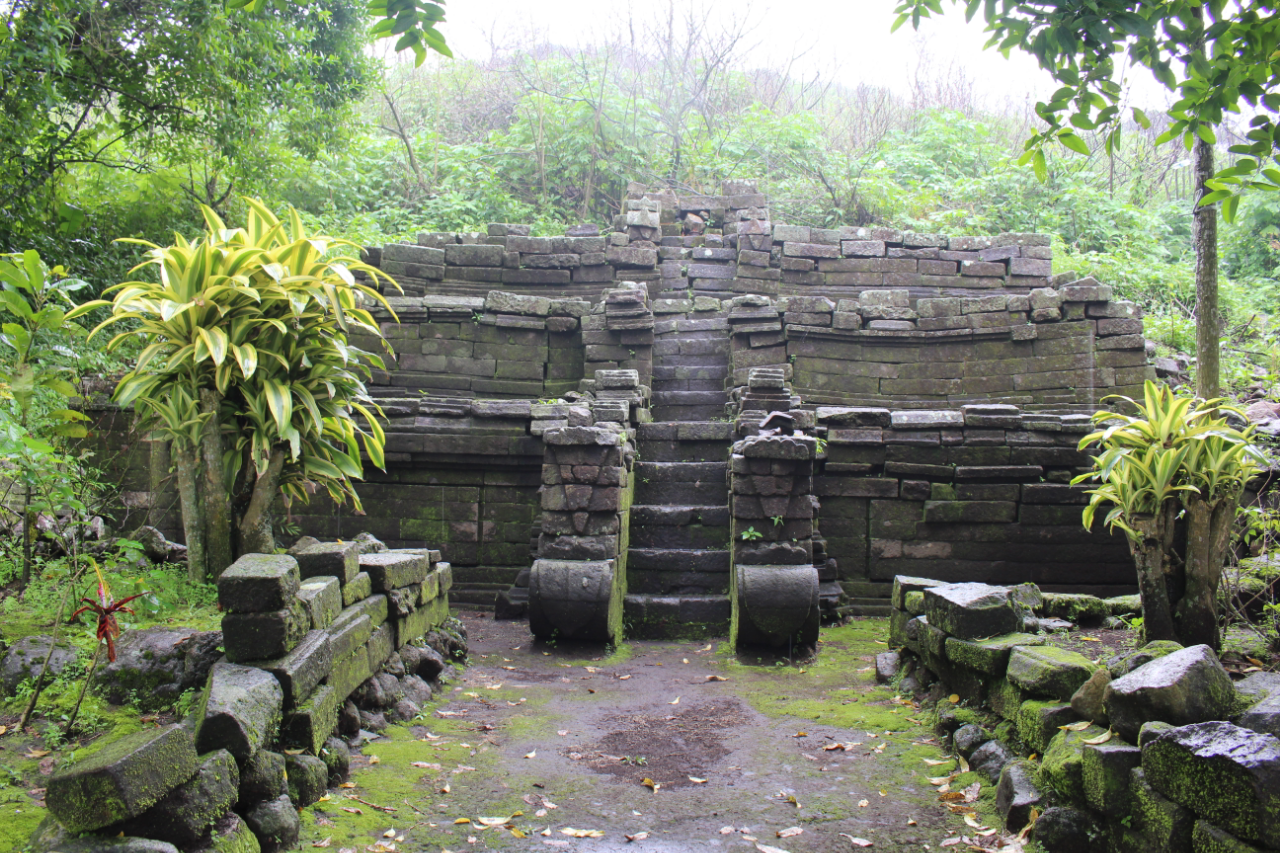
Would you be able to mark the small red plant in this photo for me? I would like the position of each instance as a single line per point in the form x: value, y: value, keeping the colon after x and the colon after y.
x: 105, y: 608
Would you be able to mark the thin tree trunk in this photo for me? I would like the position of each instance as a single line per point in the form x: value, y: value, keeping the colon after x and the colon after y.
x: 57, y: 631
x: 26, y: 537
x: 255, y: 527
x: 1148, y: 557
x: 1208, y: 537
x: 193, y: 523
x: 84, y: 688
x: 215, y: 501
x: 1204, y: 230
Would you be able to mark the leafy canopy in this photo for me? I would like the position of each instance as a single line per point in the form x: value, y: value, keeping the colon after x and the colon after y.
x: 1219, y: 58
x: 261, y: 314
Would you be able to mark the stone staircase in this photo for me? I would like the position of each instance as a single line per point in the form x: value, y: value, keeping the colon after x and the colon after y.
x: 678, y: 561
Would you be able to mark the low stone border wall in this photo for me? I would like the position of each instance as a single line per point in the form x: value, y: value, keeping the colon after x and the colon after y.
x: 308, y: 637
x: 1155, y: 751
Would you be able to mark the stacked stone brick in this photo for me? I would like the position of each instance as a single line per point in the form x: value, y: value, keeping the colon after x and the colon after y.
x: 1133, y: 754
x: 302, y: 634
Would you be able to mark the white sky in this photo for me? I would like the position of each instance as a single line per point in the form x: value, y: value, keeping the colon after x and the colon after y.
x: 848, y: 39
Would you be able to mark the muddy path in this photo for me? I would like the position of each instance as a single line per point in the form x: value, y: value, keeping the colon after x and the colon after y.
x: 679, y: 745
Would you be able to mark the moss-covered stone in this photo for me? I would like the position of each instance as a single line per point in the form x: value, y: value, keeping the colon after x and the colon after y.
x: 239, y: 710
x: 258, y: 583
x: 1124, y: 605
x: 1106, y: 776
x: 1073, y: 607
x: 1224, y: 773
x: 313, y: 721
x: 1127, y: 662
x: 902, y: 585
x: 262, y: 777
x: 308, y: 777
x: 357, y: 589
x: 987, y: 656
x: 1062, y: 766
x: 915, y: 603
x: 898, y: 628
x: 1207, y: 838
x: 1038, y: 722
x: 1049, y: 671
x: 1167, y: 824
x: 1006, y: 698
x: 1187, y: 686
x: 122, y: 780
x: 184, y: 815
x: 934, y: 641
x: 231, y: 835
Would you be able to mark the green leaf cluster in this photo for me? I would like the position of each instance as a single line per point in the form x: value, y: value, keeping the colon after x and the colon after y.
x: 261, y: 314
x: 1173, y: 447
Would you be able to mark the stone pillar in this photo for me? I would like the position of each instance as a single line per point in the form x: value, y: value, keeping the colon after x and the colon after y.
x: 774, y: 584
x: 578, y: 582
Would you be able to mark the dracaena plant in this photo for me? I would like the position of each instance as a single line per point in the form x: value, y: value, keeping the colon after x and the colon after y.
x: 1172, y: 475
x: 250, y: 372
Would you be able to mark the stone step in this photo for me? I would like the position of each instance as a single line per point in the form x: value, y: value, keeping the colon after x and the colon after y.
x: 684, y: 451
x: 867, y: 589
x: 641, y: 582
x: 688, y: 413
x: 664, y: 371
x: 690, y: 398
x: 660, y: 515
x: 704, y: 430
x: 678, y: 559
x: 476, y: 596
x: 670, y: 617
x: 662, y: 385
x: 694, y: 536
x: 681, y: 483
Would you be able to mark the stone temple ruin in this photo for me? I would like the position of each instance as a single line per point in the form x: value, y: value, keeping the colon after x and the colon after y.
x: 703, y: 421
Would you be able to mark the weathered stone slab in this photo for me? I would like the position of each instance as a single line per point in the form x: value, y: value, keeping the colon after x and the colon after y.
x: 322, y: 597
x: 1017, y: 795
x: 988, y: 656
x: 972, y: 610
x: 308, y: 778
x: 389, y: 570
x: 1049, y: 671
x: 338, y: 559
x: 573, y: 599
x: 1229, y: 775
x: 1106, y: 775
x: 122, y: 780
x: 258, y: 583
x: 1188, y: 686
x: 303, y: 668
x: 275, y: 823
x: 262, y: 777
x: 185, y: 814
x: 239, y: 711
x: 258, y: 636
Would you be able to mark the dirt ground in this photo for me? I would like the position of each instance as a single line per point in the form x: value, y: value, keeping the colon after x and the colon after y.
x: 656, y: 746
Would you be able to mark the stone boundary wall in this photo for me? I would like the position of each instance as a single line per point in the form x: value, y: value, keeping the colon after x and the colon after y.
x: 1062, y: 348
x: 979, y: 494
x: 302, y: 633
x: 1156, y: 749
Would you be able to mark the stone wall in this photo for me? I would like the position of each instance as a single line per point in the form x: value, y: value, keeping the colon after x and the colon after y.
x: 1153, y: 749
x: 304, y: 634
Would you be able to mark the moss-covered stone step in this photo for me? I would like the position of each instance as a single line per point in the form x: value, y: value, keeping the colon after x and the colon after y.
x: 988, y: 656
x: 122, y: 780
x: 1049, y: 671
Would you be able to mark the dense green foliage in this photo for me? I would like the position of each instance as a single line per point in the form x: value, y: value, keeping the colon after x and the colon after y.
x: 550, y: 135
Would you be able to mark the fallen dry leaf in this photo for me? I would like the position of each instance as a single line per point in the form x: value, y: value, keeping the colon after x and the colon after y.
x: 35, y: 753
x: 695, y: 780
x: 765, y: 848
x: 675, y: 701
x: 727, y: 830
x: 858, y: 842
x: 1076, y: 727
x: 325, y: 843
x: 932, y: 762
x: 709, y: 678
x: 533, y: 754
x: 790, y: 832
x: 639, y: 836
x: 954, y: 698
x: 1094, y: 741
x: 582, y: 833
x: 650, y: 784
x: 862, y: 804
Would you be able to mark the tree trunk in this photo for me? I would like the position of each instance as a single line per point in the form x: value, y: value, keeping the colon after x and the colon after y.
x: 255, y: 526
x: 215, y: 501
x: 1148, y: 551
x: 1208, y: 537
x: 1208, y: 319
x: 193, y: 522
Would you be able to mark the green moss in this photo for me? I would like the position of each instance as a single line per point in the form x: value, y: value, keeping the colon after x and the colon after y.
x: 1038, y: 722
x: 989, y: 656
x: 1062, y: 767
